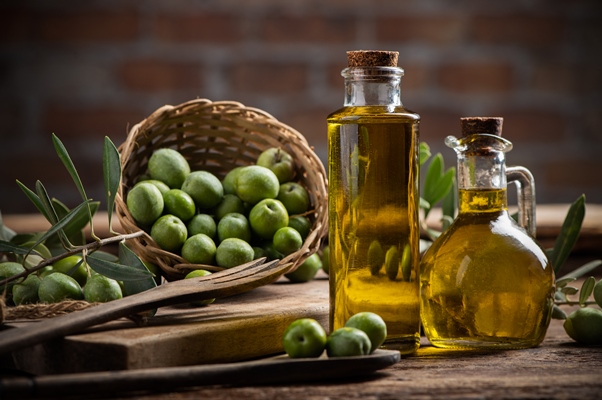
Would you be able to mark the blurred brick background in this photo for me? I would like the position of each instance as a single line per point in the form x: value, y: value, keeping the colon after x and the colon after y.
x: 88, y: 69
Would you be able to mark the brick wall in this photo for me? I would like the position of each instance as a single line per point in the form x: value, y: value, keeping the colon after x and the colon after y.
x: 88, y: 69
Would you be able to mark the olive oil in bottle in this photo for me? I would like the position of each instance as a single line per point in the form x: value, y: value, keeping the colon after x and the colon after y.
x: 485, y: 282
x: 373, y: 202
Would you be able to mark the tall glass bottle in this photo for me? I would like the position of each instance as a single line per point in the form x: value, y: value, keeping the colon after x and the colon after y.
x: 373, y: 200
x: 485, y: 282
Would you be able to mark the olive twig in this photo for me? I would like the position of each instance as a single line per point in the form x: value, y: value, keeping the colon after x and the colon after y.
x: 89, y: 247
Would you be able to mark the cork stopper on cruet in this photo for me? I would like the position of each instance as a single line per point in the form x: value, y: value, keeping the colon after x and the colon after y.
x: 372, y: 58
x: 490, y: 125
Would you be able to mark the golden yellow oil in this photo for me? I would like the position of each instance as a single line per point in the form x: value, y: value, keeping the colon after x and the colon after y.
x: 373, y: 219
x: 485, y: 283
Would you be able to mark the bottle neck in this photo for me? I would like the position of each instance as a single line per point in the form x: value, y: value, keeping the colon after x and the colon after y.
x: 482, y: 183
x: 480, y: 172
x: 372, y: 86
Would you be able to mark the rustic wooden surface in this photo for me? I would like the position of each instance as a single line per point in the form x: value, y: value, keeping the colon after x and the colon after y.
x: 558, y: 369
x: 278, y: 370
x: 235, y: 328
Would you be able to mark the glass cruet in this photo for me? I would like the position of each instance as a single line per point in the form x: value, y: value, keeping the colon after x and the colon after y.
x: 485, y: 282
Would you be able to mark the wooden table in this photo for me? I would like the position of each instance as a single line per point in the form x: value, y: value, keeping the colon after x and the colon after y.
x: 558, y: 368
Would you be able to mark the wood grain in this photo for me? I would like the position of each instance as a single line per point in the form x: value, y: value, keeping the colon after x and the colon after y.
x: 235, y: 328
x: 225, y: 283
x: 557, y: 369
x: 275, y: 370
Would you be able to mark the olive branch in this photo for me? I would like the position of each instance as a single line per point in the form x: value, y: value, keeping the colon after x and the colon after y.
x: 66, y: 237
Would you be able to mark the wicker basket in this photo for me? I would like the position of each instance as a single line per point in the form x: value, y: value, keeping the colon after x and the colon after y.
x: 216, y: 137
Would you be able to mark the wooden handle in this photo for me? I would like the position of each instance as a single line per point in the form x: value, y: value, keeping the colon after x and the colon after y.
x: 275, y: 370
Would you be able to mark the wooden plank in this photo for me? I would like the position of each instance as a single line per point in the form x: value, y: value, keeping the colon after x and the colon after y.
x: 229, y: 282
x: 273, y: 370
x: 557, y: 369
x: 232, y: 329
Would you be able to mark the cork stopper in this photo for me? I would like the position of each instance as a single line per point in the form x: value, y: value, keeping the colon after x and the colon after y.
x: 490, y: 125
x: 372, y: 58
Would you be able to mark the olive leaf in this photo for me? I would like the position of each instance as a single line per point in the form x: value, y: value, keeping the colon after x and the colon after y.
x: 129, y: 258
x: 116, y: 271
x: 432, y: 233
x: 433, y: 175
x: 5, y: 232
x: 75, y: 267
x: 22, y: 250
x: 103, y: 255
x: 74, y: 229
x: 112, y: 175
x: 438, y: 182
x: 68, y: 163
x: 56, y: 228
x: 51, y: 212
x: 568, y: 234
x: 46, y: 202
x: 560, y: 283
x: 570, y: 290
x: 425, y: 152
x: 449, y: 205
x: 559, y: 296
x: 446, y: 222
x: 584, y: 269
x: 33, y: 197
x: 586, y: 290
x: 22, y: 238
x: 558, y: 313
x: 8, y: 247
x: 61, y: 151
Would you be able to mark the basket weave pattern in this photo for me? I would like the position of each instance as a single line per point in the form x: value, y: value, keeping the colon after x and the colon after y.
x: 217, y: 137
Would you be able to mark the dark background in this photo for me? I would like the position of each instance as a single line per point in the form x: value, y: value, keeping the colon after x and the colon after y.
x: 89, y: 69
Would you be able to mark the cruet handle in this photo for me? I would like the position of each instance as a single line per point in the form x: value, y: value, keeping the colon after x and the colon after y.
x: 525, y: 186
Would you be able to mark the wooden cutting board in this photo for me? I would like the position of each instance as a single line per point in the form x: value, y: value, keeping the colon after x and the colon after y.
x: 232, y: 329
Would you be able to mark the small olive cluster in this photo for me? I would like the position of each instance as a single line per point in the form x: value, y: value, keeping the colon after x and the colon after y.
x: 68, y: 278
x: 584, y: 325
x: 362, y: 334
x: 254, y: 211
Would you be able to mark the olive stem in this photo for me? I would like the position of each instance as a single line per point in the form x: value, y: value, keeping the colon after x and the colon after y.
x: 93, y: 246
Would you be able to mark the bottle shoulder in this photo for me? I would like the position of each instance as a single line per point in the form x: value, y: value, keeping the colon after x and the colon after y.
x: 494, y: 233
x: 366, y: 114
